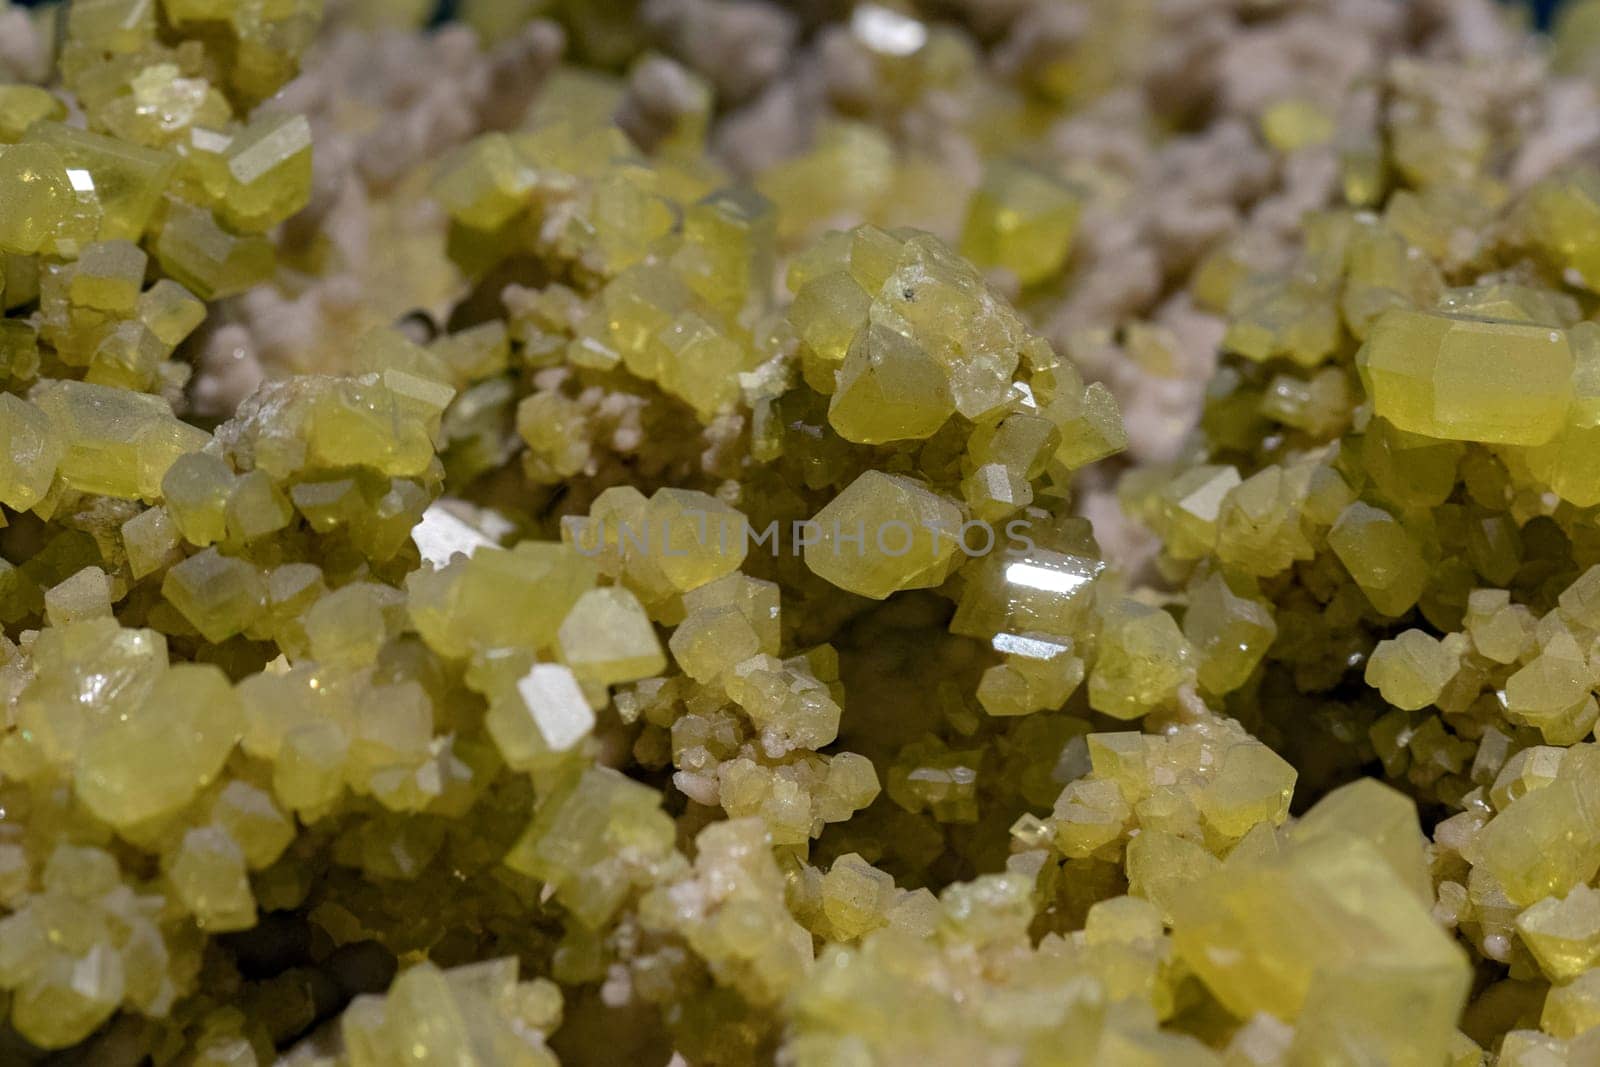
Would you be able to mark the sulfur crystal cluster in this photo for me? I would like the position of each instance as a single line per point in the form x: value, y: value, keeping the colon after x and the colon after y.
x: 722, y: 533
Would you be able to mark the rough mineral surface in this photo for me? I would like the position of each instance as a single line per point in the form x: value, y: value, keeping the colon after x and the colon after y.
x: 720, y: 533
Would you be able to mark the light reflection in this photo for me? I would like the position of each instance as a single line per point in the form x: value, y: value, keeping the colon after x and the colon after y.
x: 887, y: 31
x: 440, y: 536
x: 93, y: 687
x: 1031, y: 647
x: 1047, y: 579
x: 82, y: 181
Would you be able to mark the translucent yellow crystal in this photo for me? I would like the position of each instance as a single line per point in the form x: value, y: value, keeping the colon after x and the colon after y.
x: 726, y: 622
x: 38, y: 197
x: 1572, y: 1008
x: 486, y: 184
x: 206, y: 258
x: 208, y: 876
x: 828, y: 312
x: 1190, y: 506
x: 498, y: 598
x: 1021, y: 219
x: 1230, y: 632
x: 1563, y: 216
x: 591, y: 840
x: 1563, y: 933
x: 151, y: 540
x: 32, y: 448
x: 219, y: 595
x: 1143, y: 661
x: 1386, y: 818
x: 108, y: 276
x: 1552, y: 692
x: 1295, y: 123
x: 546, y: 713
x: 269, y: 167
x: 23, y: 105
x: 115, y: 442
x: 884, y: 533
x: 1468, y: 379
x: 1380, y: 555
x: 1253, y: 785
x: 730, y: 240
x: 85, y: 595
x: 154, y: 761
x: 607, y: 638
x: 793, y: 702
x: 856, y: 896
x: 1327, y: 933
x: 195, y: 491
x: 888, y: 389
x: 1039, y: 672
x: 126, y: 181
x: 1411, y: 670
x: 1545, y: 843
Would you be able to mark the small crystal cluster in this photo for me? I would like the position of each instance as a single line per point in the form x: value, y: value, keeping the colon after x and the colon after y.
x: 1041, y: 533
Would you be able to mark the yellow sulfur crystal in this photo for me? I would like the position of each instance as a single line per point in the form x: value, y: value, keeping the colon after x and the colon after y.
x: 888, y: 389
x: 1230, y: 630
x: 32, y: 450
x: 115, y: 442
x: 170, y: 311
x: 158, y: 758
x: 546, y: 713
x: 607, y: 638
x: 1468, y: 379
x: 882, y: 534
x: 108, y: 276
x: 1381, y: 556
x: 1040, y: 672
x: 195, y: 492
x: 219, y: 595
x: 269, y: 172
x: 1021, y: 219
x: 1563, y: 933
x: 1326, y: 933
x: 206, y: 258
x: 1573, y: 1008
x: 123, y: 182
x: 385, y: 654
x: 1413, y: 669
x: 39, y: 198
x: 151, y: 540
x: 23, y: 105
x: 592, y: 840
x: 498, y: 598
x: 486, y: 185
x: 726, y: 622
x: 1545, y: 842
x: 208, y: 876
x: 85, y: 595
x: 1144, y: 660
x: 1552, y: 692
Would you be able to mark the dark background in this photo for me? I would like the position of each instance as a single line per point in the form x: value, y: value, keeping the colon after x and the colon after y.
x: 1542, y: 9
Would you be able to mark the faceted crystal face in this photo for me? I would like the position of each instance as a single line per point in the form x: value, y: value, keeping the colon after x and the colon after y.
x: 888, y: 389
x: 1021, y: 219
x: 884, y: 534
x: 607, y: 638
x: 1469, y: 379
x: 38, y: 196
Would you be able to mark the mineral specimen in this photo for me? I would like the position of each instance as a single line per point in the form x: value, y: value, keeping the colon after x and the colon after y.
x: 725, y: 533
